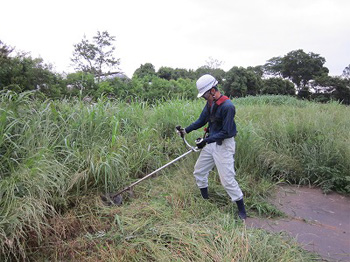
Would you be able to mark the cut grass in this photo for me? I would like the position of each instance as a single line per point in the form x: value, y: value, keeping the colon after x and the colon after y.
x: 163, y: 223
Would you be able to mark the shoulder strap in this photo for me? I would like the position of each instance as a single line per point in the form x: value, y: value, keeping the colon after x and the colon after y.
x: 218, y: 102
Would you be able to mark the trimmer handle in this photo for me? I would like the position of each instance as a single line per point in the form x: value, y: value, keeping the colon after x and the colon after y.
x: 178, y: 129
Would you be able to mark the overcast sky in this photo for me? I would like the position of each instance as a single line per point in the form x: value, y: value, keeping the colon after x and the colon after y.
x: 181, y: 34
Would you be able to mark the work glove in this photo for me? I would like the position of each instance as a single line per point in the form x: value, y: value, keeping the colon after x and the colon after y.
x: 180, y: 131
x: 200, y: 142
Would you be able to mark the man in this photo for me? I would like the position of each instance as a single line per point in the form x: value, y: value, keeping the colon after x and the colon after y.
x: 218, y: 148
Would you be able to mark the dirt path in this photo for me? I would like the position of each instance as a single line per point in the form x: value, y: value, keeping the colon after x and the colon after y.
x: 319, y: 222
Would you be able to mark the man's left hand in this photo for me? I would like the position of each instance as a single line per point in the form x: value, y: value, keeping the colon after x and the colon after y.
x: 180, y: 131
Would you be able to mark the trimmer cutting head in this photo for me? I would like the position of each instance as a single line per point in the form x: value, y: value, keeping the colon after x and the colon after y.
x: 110, y: 200
x: 116, y: 199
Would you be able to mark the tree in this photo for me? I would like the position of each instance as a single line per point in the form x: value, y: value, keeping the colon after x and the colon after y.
x: 277, y: 86
x: 165, y: 72
x: 332, y: 87
x: 20, y: 72
x: 218, y: 73
x: 96, y: 56
x: 169, y: 73
x: 6, y: 65
x: 346, y: 72
x: 258, y: 70
x: 298, y: 66
x: 213, y: 63
x: 80, y: 81
x: 5, y: 51
x: 181, y: 73
x: 212, y: 67
x: 145, y: 70
x: 241, y: 82
x: 341, y: 89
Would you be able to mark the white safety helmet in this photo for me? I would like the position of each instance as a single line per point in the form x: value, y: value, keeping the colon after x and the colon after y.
x: 205, y: 83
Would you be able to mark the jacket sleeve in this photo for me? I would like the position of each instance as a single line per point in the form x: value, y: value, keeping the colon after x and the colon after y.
x: 200, y: 122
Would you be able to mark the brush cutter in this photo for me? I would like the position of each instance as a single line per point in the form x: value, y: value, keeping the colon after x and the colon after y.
x: 117, y: 198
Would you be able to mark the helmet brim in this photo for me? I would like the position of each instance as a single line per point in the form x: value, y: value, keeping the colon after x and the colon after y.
x: 207, y: 89
x: 201, y: 94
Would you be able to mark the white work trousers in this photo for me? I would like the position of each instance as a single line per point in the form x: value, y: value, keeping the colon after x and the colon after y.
x: 223, y: 157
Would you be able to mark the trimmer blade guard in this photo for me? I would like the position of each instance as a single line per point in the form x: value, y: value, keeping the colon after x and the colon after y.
x: 110, y: 200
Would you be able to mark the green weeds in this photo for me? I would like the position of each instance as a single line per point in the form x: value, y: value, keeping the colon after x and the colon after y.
x: 306, y: 145
x: 56, y: 157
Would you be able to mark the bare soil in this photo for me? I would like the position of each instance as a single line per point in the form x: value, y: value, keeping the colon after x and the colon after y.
x: 319, y: 222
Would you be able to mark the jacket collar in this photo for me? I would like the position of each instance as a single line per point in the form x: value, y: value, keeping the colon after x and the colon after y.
x: 221, y: 100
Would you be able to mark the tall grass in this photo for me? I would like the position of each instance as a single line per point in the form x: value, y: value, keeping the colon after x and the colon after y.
x: 298, y: 141
x: 53, y: 153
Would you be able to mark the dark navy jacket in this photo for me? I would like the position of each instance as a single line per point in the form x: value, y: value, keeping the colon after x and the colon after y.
x: 224, y: 125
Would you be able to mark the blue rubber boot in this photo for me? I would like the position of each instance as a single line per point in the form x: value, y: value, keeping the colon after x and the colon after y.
x: 204, y: 193
x: 241, y: 209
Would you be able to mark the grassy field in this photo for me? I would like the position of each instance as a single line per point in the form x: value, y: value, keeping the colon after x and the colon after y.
x: 56, y: 157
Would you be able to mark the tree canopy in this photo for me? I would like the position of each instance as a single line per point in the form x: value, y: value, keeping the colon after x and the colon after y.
x: 297, y: 66
x: 145, y: 70
x: 277, y: 86
x: 20, y: 72
x: 346, y: 72
x: 240, y: 81
x: 96, y: 56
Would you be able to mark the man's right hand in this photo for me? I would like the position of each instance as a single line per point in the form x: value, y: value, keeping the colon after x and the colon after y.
x: 200, y: 142
x: 180, y: 131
